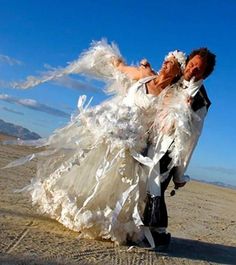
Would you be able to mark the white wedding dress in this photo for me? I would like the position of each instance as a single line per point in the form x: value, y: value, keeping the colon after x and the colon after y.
x: 92, y: 176
x: 91, y: 181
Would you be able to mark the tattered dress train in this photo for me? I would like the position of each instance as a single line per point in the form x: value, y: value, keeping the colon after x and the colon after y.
x: 91, y: 182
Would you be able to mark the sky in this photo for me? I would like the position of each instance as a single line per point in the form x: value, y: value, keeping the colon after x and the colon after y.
x: 37, y: 35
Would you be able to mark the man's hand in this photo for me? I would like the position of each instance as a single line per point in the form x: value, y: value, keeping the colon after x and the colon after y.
x: 180, y: 182
x: 189, y: 100
x: 179, y: 185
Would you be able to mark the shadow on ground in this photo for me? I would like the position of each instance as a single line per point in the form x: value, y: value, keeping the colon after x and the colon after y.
x: 98, y: 252
x: 204, y: 251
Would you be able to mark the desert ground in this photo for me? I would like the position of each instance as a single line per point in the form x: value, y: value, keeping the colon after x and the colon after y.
x: 202, y: 222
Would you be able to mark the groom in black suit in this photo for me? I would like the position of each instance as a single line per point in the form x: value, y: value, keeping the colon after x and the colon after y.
x: 200, y: 64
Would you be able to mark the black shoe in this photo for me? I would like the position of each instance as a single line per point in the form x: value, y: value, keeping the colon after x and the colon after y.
x: 140, y: 243
x: 161, y: 240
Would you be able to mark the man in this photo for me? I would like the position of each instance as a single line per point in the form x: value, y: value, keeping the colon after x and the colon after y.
x: 200, y: 64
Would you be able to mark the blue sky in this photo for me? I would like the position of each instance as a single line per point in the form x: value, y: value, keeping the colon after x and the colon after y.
x: 38, y: 33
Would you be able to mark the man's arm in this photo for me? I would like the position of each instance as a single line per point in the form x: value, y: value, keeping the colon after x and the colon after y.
x: 178, y: 176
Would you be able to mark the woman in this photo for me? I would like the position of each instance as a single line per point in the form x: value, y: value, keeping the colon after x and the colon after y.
x: 91, y: 176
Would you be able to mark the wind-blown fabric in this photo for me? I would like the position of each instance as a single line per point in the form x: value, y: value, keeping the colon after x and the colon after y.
x: 96, y: 63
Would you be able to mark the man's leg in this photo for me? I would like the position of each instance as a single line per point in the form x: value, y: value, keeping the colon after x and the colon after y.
x: 155, y: 214
x: 158, y: 229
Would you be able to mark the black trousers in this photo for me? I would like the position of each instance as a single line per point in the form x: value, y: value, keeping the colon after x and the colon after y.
x: 155, y: 213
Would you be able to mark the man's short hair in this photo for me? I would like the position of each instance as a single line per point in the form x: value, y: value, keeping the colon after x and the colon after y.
x: 209, y: 58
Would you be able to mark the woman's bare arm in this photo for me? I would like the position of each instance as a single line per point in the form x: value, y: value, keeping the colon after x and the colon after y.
x: 133, y: 72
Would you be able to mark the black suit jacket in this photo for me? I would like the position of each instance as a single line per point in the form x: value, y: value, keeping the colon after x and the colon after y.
x: 201, y: 99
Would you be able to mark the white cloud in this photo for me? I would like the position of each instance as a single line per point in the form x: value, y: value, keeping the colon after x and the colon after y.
x: 33, y: 104
x: 8, y: 60
x: 69, y: 82
x: 12, y: 111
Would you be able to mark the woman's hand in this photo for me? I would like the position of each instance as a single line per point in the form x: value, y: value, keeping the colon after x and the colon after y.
x: 144, y: 63
x: 145, y: 68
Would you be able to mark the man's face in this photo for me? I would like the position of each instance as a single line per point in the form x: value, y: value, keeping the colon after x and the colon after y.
x: 195, y: 68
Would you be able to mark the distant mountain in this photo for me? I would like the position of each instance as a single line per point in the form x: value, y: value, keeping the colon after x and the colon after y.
x: 17, y: 131
x: 217, y: 183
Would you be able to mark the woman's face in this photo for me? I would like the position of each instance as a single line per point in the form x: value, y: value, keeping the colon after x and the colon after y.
x: 170, y: 68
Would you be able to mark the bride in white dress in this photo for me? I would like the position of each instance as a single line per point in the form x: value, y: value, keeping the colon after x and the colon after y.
x: 92, y: 176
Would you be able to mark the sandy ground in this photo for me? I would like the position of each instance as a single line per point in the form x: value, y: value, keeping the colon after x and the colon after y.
x: 202, y: 221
